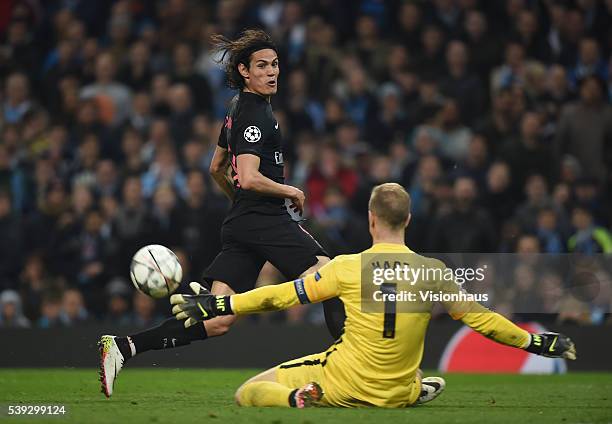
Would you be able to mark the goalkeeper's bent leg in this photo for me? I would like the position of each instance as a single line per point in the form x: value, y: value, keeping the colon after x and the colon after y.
x: 263, y: 386
x: 263, y: 393
x: 265, y: 390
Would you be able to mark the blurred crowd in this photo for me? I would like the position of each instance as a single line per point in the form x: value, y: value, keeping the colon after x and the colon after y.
x: 495, y: 116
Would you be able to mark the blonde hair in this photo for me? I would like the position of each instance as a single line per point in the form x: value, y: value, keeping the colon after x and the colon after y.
x: 391, y: 204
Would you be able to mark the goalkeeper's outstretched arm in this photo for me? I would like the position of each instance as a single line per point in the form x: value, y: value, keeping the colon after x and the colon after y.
x: 313, y: 288
x: 496, y: 327
x: 502, y: 330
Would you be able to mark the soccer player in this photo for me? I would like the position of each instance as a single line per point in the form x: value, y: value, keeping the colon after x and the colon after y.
x: 259, y: 226
x: 376, y: 361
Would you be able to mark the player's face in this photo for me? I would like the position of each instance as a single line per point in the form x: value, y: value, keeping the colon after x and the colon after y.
x: 262, y: 76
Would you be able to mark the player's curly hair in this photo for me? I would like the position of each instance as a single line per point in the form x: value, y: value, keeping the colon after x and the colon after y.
x: 239, y: 51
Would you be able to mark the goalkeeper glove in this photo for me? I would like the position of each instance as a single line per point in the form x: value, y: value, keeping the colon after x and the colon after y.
x: 552, y: 345
x: 201, y: 306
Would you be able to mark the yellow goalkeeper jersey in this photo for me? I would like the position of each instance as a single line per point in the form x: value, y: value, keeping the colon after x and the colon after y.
x: 376, y: 360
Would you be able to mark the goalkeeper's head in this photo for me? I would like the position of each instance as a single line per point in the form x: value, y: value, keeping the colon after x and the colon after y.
x: 388, y: 211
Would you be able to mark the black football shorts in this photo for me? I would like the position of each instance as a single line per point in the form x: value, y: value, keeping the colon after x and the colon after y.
x: 248, y: 241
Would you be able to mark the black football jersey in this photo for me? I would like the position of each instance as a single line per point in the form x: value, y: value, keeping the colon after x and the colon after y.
x: 250, y: 127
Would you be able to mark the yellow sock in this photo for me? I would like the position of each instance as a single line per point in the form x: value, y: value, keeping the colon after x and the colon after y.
x: 264, y: 393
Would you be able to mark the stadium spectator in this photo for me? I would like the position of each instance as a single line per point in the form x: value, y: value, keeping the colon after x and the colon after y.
x: 11, y: 314
x: 132, y: 226
x: 144, y: 314
x: 410, y: 23
x: 141, y: 116
x: 370, y: 50
x: 585, y: 129
x: 136, y: 73
x: 454, y: 137
x: 484, y: 49
x: 304, y: 113
x: 526, y: 302
x: 327, y: 171
x: 537, y: 197
x: 184, y: 73
x: 164, y: 170
x: 588, y: 238
x: 107, y: 179
x: 131, y: 149
x: 118, y: 310
x: 461, y: 85
x: 587, y: 193
x: 421, y: 189
x: 167, y: 226
x: 341, y: 229
x: 73, y: 308
x: 17, y: 102
x: 33, y: 281
x: 11, y: 247
x: 590, y: 62
x: 431, y: 52
x: 50, y: 311
x: 112, y: 97
x: 548, y: 231
x: 200, y: 218
x: 475, y: 164
x: 359, y: 102
x: 512, y: 71
x: 193, y: 156
x: 530, y: 153
x: 528, y: 35
x: 322, y: 59
x: 498, y: 126
x: 527, y: 244
x: 557, y: 93
x: 466, y: 227
x: 391, y: 122
x: 181, y: 113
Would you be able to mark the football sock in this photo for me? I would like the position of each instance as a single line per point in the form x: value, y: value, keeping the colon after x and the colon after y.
x: 264, y: 393
x: 170, y: 333
x: 334, y: 316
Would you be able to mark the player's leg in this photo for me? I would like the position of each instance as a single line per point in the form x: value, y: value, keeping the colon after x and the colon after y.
x: 332, y: 308
x: 220, y: 325
x: 296, y: 253
x: 115, y: 351
x: 171, y: 333
x: 297, y: 385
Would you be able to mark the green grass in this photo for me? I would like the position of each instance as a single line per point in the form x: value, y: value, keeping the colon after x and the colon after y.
x: 206, y: 396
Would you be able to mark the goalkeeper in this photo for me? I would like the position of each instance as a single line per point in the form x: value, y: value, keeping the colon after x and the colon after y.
x: 376, y: 361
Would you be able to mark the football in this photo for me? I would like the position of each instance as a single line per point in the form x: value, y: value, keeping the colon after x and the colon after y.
x: 156, y: 271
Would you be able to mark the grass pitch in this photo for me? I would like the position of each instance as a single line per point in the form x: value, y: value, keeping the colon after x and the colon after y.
x: 206, y: 396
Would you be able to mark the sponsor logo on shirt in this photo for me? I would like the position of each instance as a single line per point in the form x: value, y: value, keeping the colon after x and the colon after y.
x: 278, y: 158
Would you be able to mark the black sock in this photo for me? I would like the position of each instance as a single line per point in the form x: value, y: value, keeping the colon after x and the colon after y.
x: 334, y: 316
x: 292, y: 402
x: 124, y: 347
x: 170, y: 333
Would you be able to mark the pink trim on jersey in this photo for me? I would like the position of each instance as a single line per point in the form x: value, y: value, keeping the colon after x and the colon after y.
x: 233, y: 161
